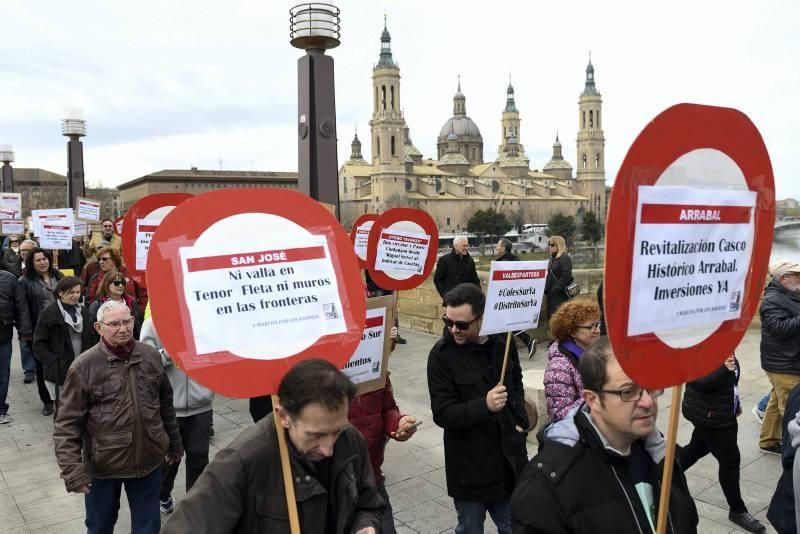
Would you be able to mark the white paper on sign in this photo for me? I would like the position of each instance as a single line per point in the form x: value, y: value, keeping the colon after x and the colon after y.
x: 88, y: 210
x: 11, y: 202
x: 56, y: 236
x: 272, y: 291
x: 692, y: 250
x: 145, y: 228
x: 11, y: 226
x: 59, y: 216
x: 402, y: 252
x: 7, y: 214
x: 81, y: 228
x: 514, y: 296
x: 362, y: 238
x: 365, y: 364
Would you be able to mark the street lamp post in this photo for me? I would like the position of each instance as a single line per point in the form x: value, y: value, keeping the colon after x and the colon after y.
x: 314, y: 27
x: 7, y: 157
x: 74, y: 128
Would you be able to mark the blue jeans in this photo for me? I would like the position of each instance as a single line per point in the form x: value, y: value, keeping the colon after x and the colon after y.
x: 5, y: 373
x: 26, y: 355
x: 472, y: 514
x: 762, y: 404
x: 102, y: 504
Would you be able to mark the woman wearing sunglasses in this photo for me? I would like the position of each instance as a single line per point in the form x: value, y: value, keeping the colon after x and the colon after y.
x: 559, y: 274
x: 573, y: 327
x: 108, y: 260
x: 113, y: 287
x: 65, y: 329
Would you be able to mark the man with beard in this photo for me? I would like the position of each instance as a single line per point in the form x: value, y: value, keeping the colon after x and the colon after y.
x: 482, y: 414
x: 599, y: 469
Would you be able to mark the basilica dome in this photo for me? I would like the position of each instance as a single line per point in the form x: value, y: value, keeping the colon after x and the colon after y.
x: 462, y: 126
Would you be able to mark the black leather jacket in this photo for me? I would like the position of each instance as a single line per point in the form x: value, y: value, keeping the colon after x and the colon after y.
x: 780, y: 330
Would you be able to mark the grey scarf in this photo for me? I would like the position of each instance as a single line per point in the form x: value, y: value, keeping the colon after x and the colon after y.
x: 75, y: 327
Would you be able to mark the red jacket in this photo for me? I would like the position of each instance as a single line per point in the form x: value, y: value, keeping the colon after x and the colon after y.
x: 376, y: 416
x: 131, y: 288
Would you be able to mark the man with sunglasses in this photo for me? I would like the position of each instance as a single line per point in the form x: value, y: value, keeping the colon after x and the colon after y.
x: 599, y: 469
x: 106, y: 234
x: 483, y: 416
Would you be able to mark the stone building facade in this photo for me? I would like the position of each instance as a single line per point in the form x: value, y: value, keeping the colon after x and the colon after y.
x: 196, y: 181
x: 458, y: 181
x: 43, y: 189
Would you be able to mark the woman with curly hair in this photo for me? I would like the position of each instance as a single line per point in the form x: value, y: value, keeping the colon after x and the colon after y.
x: 573, y: 326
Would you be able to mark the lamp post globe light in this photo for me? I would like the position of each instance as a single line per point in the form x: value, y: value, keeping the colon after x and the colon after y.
x: 7, y: 157
x: 74, y: 127
x: 315, y: 27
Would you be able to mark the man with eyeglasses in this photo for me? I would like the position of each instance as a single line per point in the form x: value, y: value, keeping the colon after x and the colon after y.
x: 116, y: 425
x: 483, y: 417
x: 599, y: 469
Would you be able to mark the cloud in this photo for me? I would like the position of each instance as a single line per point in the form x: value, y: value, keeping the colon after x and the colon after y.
x: 173, y: 84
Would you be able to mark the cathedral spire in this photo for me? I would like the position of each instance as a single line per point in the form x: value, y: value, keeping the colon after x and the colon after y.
x: 355, y: 148
x: 511, y: 105
x: 459, y: 101
x: 589, y: 88
x: 386, y: 59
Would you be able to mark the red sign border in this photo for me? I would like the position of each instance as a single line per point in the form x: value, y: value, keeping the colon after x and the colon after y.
x: 385, y: 220
x: 229, y: 374
x: 676, y: 131
x: 361, y: 220
x: 139, y: 210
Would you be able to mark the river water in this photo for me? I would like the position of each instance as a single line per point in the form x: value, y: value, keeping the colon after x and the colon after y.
x: 786, y: 245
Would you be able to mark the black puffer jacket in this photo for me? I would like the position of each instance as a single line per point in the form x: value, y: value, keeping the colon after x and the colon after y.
x: 709, y: 401
x: 780, y: 330
x: 13, y: 307
x: 577, y: 486
x: 453, y: 269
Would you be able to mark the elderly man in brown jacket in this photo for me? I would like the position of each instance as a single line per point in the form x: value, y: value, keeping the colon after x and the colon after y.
x: 242, y: 490
x: 116, y: 424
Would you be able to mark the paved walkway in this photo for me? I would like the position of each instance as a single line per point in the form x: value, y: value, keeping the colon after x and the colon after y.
x: 33, y: 498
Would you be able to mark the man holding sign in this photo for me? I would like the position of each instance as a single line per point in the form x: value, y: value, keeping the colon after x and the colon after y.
x: 599, y: 469
x: 242, y: 489
x: 482, y: 413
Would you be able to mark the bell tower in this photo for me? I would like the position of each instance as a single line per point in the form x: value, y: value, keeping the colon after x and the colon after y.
x: 387, y: 122
x: 591, y: 175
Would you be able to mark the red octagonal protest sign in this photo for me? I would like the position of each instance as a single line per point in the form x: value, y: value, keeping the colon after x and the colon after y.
x: 245, y: 283
x: 359, y: 235
x: 139, y: 226
x: 689, y: 235
x: 402, y: 248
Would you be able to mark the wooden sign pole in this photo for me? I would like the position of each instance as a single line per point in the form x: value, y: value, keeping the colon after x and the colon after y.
x: 669, y: 460
x: 286, y: 468
x: 505, y: 359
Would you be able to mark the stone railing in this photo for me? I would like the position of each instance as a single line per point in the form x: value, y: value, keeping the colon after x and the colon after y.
x: 421, y: 308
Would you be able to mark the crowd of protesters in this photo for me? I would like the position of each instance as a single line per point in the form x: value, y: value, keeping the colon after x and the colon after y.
x: 125, y: 414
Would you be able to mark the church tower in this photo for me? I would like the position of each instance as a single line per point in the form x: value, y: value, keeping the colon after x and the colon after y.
x: 591, y: 176
x: 509, y: 122
x: 387, y: 119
